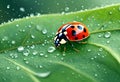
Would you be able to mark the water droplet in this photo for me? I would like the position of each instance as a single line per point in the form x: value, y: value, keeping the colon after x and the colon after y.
x: 92, y: 58
x: 26, y: 62
x: 8, y: 6
x: 44, y: 31
x: 98, y: 54
x: 110, y: 13
x: 22, y: 9
x: 64, y: 54
x: 41, y: 66
x: 96, y: 75
x: 43, y: 75
x: 46, y: 56
x: 4, y: 38
x: 100, y: 49
x: 99, y: 36
x: 108, y: 42
x: 32, y: 36
x: 13, y: 42
x: 89, y: 50
x: 41, y: 54
x: 66, y: 8
x: 8, y: 67
x: 107, y: 35
x: 17, y: 25
x: 62, y: 13
x: 26, y: 52
x: 51, y: 49
x: 18, y: 68
x: 13, y: 55
x: 35, y: 52
x: 20, y: 48
x: 32, y: 47
x: 38, y: 28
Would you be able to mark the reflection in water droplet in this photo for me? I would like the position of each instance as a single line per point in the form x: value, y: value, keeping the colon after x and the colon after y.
x: 43, y: 75
x: 20, y: 48
x: 51, y: 49
x: 107, y: 35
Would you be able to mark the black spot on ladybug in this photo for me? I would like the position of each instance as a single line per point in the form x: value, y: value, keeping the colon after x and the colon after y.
x: 76, y: 38
x: 72, y: 26
x: 84, y: 30
x: 73, y: 32
x: 83, y: 36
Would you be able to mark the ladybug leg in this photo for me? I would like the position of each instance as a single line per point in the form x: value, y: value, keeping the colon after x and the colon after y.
x: 73, y: 47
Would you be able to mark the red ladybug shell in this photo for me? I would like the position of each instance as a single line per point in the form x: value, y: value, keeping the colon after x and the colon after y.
x: 73, y: 32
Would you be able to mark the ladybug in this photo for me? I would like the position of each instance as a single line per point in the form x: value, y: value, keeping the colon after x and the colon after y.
x: 72, y: 31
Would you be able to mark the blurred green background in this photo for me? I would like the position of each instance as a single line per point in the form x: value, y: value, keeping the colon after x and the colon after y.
x: 11, y: 9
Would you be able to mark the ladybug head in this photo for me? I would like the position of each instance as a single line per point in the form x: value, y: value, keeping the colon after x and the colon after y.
x: 60, y: 39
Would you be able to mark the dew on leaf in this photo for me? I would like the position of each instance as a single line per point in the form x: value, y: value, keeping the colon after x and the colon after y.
x: 100, y: 35
x: 20, y: 48
x: 46, y: 56
x: 44, y: 31
x: 64, y: 54
x: 26, y: 62
x: 96, y: 75
x: 66, y: 8
x: 51, y: 49
x: 8, y: 67
x: 35, y: 52
x: 100, y: 49
x: 13, y: 42
x: 98, y: 54
x: 18, y: 68
x: 26, y: 52
x: 17, y: 25
x: 22, y: 9
x: 40, y: 66
x: 4, y: 38
x: 32, y: 36
x: 32, y: 47
x: 38, y: 28
x: 108, y: 42
x: 89, y: 50
x: 62, y: 13
x: 8, y: 6
x: 110, y: 13
x: 13, y: 55
x: 43, y: 75
x: 92, y: 58
x: 107, y: 35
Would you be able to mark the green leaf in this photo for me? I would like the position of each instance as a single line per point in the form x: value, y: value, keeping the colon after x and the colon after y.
x: 27, y: 52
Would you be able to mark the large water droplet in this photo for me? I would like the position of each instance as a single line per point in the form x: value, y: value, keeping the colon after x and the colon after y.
x: 107, y: 35
x: 96, y: 75
x: 20, y: 48
x: 43, y: 75
x: 44, y: 31
x: 8, y: 67
x: 32, y: 36
x: 51, y: 49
